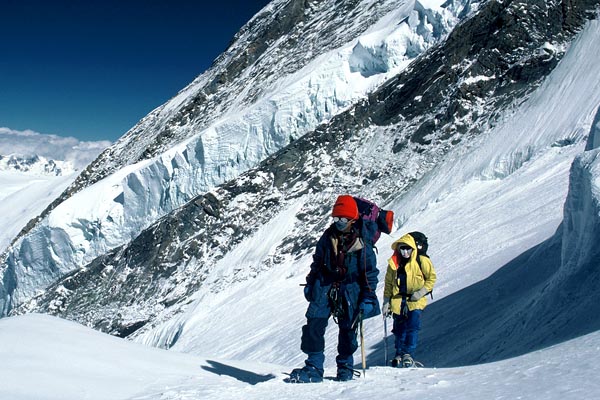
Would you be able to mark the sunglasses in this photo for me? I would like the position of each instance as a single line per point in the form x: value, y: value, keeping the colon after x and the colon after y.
x: 343, y: 220
x: 404, y: 248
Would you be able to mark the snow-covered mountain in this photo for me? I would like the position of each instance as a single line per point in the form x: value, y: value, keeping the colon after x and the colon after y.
x: 294, y: 66
x: 30, y: 151
x: 25, y: 192
x: 487, y: 141
x: 35, y: 165
x: 35, y: 169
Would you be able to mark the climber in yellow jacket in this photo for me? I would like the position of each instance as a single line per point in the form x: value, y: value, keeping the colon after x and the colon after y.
x: 409, y: 278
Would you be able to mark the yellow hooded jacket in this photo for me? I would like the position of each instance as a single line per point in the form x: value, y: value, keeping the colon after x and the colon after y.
x: 416, y: 277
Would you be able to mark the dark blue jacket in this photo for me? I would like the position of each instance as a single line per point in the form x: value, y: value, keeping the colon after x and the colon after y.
x: 355, y: 273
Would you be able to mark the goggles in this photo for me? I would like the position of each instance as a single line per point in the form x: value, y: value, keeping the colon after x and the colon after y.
x: 343, y: 220
x: 405, y: 251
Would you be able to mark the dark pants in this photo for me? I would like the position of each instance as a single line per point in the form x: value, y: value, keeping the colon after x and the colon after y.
x: 313, y: 342
x: 406, y: 332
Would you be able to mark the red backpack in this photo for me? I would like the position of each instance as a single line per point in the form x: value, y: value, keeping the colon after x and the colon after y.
x: 374, y: 220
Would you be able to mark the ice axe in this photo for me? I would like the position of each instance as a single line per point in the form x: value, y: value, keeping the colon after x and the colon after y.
x: 385, y: 347
x: 359, y: 321
x: 362, y: 346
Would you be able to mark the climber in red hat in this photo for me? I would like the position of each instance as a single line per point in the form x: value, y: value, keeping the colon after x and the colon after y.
x: 341, y: 283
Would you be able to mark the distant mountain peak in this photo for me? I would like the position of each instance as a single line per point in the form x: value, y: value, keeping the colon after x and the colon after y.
x: 35, y: 165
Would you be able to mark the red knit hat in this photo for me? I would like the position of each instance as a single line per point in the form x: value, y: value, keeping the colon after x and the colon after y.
x: 345, y: 206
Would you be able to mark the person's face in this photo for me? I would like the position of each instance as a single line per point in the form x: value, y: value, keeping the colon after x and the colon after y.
x: 405, y: 251
x: 342, y: 224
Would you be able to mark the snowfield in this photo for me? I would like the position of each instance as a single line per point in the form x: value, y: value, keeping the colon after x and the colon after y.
x: 47, y: 358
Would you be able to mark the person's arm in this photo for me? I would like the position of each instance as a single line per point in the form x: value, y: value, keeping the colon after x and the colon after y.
x: 318, y: 261
x: 371, y: 273
x: 369, y: 304
x: 388, y: 287
x: 430, y: 278
x: 428, y: 273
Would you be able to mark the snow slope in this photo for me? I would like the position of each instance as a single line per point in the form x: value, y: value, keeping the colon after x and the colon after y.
x: 48, y: 358
x: 24, y: 196
x: 35, y: 169
x: 477, y: 223
x: 45, y: 358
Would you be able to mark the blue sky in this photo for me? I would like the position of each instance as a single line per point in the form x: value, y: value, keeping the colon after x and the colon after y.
x: 92, y: 69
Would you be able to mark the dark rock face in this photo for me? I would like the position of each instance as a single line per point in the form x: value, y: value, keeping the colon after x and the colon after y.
x: 489, y: 62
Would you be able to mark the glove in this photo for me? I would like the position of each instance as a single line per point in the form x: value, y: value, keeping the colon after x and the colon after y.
x: 308, y: 293
x: 418, y: 294
x: 404, y: 310
x: 385, y: 308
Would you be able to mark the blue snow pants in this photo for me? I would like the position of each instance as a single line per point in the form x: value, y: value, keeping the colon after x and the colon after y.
x: 406, y: 332
x: 313, y: 342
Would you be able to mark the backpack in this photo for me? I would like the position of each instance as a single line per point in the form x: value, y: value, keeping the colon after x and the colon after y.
x: 421, y: 242
x: 374, y: 220
x: 422, y: 247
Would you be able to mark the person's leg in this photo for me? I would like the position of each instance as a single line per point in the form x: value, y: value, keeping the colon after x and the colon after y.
x: 313, y: 342
x: 412, y: 328
x: 347, y: 342
x: 347, y: 345
x: 399, y: 331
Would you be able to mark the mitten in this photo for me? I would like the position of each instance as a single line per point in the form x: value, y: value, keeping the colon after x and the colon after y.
x: 418, y: 294
x: 385, y: 309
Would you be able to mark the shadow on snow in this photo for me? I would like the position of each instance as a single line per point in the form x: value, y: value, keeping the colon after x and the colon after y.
x: 237, y: 373
x: 530, y: 303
